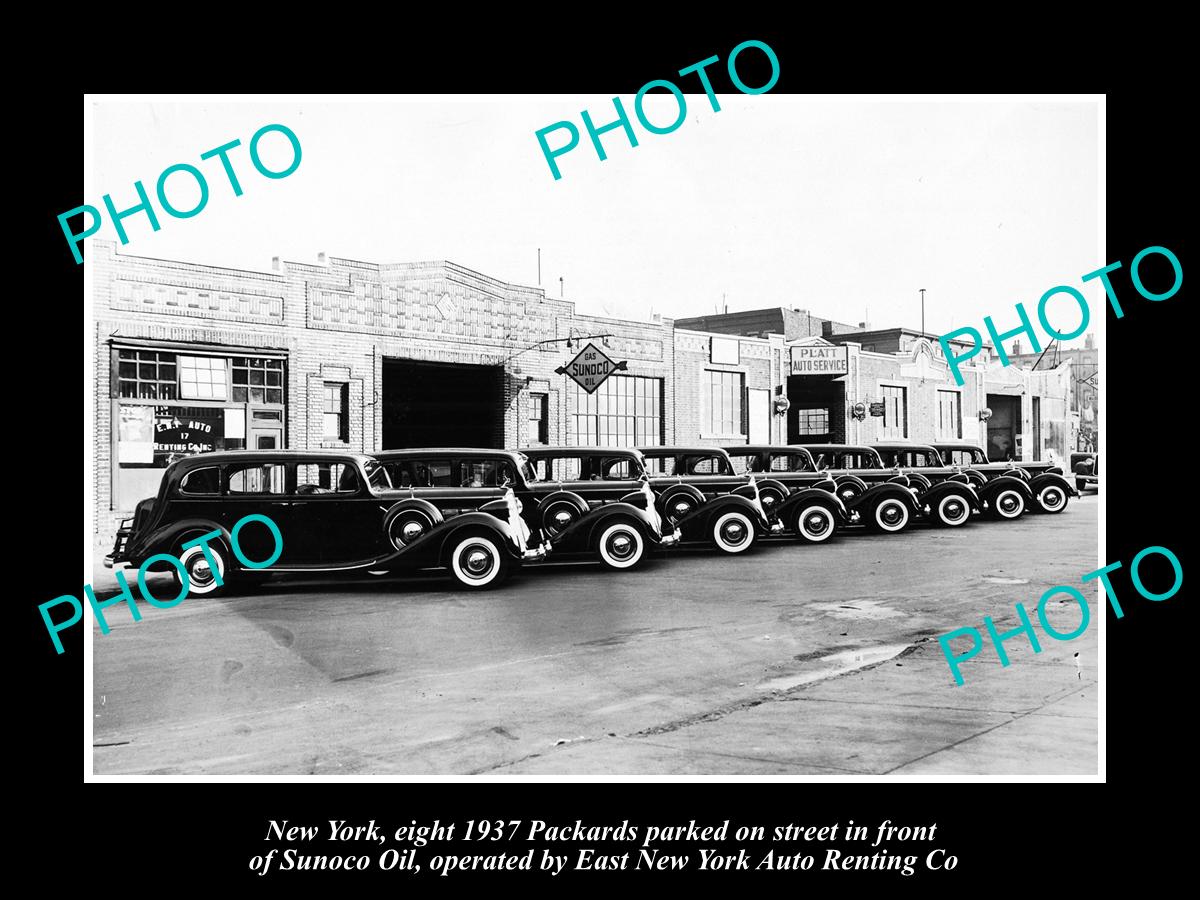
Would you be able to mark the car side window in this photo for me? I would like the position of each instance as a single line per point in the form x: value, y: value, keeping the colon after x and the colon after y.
x: 485, y: 472
x: 201, y: 482
x: 430, y: 472
x: 259, y: 478
x: 701, y: 465
x: 617, y: 468
x: 326, y: 478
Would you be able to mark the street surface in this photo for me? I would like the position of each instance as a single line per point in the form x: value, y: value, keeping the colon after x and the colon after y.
x: 791, y: 660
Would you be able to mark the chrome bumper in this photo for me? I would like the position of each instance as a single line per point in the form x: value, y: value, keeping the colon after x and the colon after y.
x: 108, y: 561
x: 668, y: 540
x: 776, y: 527
x: 537, y: 554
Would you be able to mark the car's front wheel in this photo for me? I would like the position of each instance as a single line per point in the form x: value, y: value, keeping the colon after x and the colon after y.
x: 733, y: 532
x: 621, y: 546
x: 814, y: 524
x: 477, y: 562
x: 1051, y: 499
x: 890, y: 515
x: 1007, y: 504
x: 952, y: 511
x: 203, y: 581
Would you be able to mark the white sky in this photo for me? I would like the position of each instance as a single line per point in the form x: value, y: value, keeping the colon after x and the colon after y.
x: 838, y: 207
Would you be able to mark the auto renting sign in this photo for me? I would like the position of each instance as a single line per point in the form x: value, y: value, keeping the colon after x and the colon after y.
x: 590, y: 368
x: 819, y: 361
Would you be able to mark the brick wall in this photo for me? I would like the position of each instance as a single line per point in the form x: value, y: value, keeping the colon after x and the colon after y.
x: 338, y: 322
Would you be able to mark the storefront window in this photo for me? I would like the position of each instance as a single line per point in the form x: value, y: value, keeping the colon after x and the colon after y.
x: 625, y: 411
x: 202, y: 378
x: 168, y: 405
x: 257, y: 380
x: 812, y: 421
x: 146, y: 375
x: 723, y: 402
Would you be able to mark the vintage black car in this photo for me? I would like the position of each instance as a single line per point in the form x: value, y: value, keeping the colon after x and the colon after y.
x: 593, y: 500
x: 1048, y: 489
x: 948, y: 500
x: 699, y: 492
x: 808, y: 504
x: 336, y: 512
x: 1086, y: 467
x: 880, y: 498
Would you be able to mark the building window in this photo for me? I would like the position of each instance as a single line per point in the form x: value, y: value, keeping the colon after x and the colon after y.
x: 895, y: 412
x: 146, y: 375
x: 812, y: 421
x: 723, y: 402
x: 202, y: 378
x: 337, y: 411
x: 539, y: 418
x: 949, y: 421
x: 625, y: 411
x: 257, y: 380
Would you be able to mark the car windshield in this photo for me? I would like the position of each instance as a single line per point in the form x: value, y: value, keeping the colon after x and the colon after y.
x: 377, y: 476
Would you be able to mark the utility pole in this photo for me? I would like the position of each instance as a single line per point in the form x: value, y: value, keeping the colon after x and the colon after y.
x: 539, y: 266
x: 560, y: 286
x: 922, y: 311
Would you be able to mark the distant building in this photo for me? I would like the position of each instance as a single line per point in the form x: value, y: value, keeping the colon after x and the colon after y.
x: 1085, y: 383
x: 791, y: 323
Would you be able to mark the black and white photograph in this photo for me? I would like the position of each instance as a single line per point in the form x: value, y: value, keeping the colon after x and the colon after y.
x: 703, y: 432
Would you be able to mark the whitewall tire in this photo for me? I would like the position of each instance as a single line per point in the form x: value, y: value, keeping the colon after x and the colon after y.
x: 890, y: 515
x: 1052, y: 499
x: 1008, y: 504
x: 815, y: 524
x: 953, y: 510
x: 621, y: 546
x: 201, y: 580
x: 477, y: 562
x: 733, y: 532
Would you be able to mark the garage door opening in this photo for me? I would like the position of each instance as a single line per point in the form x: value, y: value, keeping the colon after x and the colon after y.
x: 442, y: 405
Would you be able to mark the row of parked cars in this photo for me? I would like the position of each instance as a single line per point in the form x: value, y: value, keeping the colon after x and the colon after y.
x: 482, y: 513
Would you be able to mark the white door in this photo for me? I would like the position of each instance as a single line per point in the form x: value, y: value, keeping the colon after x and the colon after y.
x: 759, y: 402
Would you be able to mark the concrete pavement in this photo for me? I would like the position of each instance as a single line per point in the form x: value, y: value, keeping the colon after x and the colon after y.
x: 792, y: 660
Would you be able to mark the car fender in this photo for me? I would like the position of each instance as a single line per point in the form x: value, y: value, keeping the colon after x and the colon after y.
x: 806, y: 497
x: 1001, y: 482
x: 593, y: 525
x: 935, y: 494
x: 878, y: 492
x: 1040, y: 481
x: 447, y: 536
x: 707, y: 514
x: 165, y: 538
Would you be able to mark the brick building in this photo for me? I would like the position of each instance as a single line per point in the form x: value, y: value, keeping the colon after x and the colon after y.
x: 736, y: 383
x: 347, y: 354
x: 1085, y: 383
